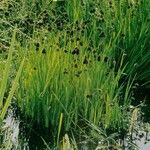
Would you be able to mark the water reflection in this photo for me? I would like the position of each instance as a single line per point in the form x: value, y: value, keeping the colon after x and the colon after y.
x: 12, y: 136
x: 141, y: 135
x: 17, y: 133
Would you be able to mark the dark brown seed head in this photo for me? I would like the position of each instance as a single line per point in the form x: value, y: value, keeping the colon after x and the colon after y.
x: 68, y: 31
x: 102, y: 34
x: 92, y: 10
x: 77, y: 22
x: 6, y: 14
x: 99, y: 58
x: 49, y: 28
x: 65, y: 15
x: 122, y: 35
x: 89, y: 96
x: 141, y: 135
x: 65, y: 51
x: 78, y: 29
x: 106, y: 59
x: 129, y: 6
x: 1, y: 10
x: 94, y: 51
x: 78, y: 73
x: 81, y: 44
x: 71, y: 33
x: 78, y: 39
x: 86, y: 22
x: 85, y: 61
x: 76, y: 51
x: 89, y: 49
x: 101, y: 12
x: 10, y: 6
x: 110, y: 2
x: 37, y: 45
x: 65, y: 71
x: 82, y: 32
x: 44, y: 51
x: 148, y: 20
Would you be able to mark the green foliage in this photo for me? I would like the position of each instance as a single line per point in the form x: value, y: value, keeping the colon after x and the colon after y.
x: 3, y: 89
x: 79, y: 54
x: 75, y: 83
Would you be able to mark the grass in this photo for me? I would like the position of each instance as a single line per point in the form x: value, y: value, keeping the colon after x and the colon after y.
x: 3, y: 89
x: 74, y: 84
x: 81, y: 60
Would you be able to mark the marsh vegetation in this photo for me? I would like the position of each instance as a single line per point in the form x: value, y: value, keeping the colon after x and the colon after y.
x: 75, y: 73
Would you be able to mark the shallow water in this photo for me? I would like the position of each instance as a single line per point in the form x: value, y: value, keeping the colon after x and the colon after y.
x: 17, y: 132
x: 12, y: 133
x: 143, y: 143
x: 140, y: 136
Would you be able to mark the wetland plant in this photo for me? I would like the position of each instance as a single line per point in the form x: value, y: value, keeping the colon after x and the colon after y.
x: 55, y: 84
x: 81, y: 60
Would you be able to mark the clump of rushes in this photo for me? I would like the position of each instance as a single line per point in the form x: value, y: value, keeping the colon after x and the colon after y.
x: 127, y: 23
x: 81, y: 91
x: 70, y: 76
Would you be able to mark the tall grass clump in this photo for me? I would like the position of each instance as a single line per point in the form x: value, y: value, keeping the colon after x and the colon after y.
x: 73, y: 83
x: 133, y: 39
x: 126, y: 23
x: 82, y: 57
